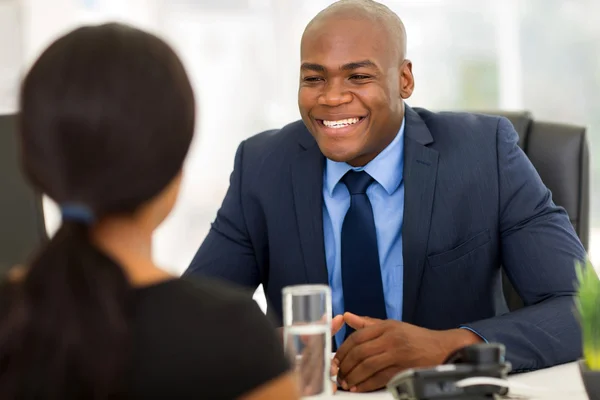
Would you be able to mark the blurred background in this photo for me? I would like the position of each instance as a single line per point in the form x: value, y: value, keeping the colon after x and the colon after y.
x: 243, y: 57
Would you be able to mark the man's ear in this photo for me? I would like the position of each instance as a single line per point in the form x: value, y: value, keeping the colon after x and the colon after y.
x: 407, y: 79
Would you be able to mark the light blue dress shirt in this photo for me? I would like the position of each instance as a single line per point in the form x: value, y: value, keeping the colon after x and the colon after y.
x: 387, y: 199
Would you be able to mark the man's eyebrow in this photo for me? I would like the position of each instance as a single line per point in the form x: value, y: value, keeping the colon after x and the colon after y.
x: 359, y: 64
x: 312, y: 67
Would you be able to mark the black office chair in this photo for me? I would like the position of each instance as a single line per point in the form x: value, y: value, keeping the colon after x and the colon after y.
x: 560, y: 154
x: 22, y: 226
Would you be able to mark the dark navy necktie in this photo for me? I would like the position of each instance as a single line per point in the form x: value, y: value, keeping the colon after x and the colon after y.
x: 361, y: 274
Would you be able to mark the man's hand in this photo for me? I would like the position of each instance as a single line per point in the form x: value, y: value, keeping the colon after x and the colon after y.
x: 379, y: 349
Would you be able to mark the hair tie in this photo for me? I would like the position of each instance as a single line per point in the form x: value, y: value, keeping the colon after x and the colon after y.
x: 77, y: 213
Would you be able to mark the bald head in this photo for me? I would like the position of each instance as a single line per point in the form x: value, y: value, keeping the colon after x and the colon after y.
x: 353, y: 79
x: 377, y: 13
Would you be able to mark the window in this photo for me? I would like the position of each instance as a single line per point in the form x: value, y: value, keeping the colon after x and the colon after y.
x: 243, y: 57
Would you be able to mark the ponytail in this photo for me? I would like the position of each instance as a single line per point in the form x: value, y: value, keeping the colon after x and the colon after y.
x: 65, y: 326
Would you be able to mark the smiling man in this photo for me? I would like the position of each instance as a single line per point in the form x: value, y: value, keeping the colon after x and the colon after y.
x: 409, y: 215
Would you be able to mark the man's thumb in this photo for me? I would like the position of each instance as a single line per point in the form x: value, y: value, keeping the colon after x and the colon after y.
x: 336, y: 324
x: 356, y: 322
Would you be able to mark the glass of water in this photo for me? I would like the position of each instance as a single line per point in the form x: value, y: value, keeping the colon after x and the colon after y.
x: 307, y: 336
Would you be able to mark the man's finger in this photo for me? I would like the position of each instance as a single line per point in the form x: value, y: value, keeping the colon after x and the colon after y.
x: 361, y: 336
x: 334, y: 367
x: 334, y: 371
x: 376, y: 381
x: 357, y: 322
x: 336, y: 324
x: 359, y: 354
x: 367, y: 368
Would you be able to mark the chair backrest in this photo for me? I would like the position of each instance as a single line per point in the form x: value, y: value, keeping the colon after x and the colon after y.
x: 22, y: 226
x: 560, y: 154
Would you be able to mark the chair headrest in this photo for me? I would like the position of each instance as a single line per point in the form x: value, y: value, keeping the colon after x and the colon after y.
x: 521, y: 120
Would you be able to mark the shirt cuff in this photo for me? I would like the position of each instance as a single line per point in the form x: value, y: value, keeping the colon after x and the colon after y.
x: 475, y: 332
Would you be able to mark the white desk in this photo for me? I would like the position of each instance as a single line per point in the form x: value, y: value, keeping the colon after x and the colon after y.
x: 561, y: 382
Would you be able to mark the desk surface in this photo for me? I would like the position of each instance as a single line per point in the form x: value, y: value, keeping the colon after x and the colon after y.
x: 557, y: 383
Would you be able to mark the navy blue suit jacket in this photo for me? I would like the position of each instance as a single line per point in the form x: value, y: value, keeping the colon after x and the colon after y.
x: 473, y: 204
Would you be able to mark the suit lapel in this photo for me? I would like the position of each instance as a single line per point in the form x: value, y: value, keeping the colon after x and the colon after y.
x: 307, y: 180
x: 420, y: 171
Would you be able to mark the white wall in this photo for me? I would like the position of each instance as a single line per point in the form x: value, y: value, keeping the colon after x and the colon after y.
x: 11, y: 54
x: 243, y: 63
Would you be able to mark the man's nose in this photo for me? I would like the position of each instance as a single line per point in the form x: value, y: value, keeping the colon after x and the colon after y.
x: 334, y: 94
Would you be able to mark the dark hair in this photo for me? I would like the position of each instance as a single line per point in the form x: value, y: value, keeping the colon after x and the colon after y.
x: 106, y: 120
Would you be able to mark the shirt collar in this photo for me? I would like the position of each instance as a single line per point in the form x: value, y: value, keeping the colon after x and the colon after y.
x: 386, y: 168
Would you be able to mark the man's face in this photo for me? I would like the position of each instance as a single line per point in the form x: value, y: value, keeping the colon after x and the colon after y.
x: 352, y: 82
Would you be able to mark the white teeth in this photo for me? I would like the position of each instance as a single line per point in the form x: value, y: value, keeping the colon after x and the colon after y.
x: 341, y: 123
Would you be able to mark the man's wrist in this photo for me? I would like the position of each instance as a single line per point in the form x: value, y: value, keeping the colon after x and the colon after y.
x: 483, y: 339
x: 454, y: 339
x: 459, y: 338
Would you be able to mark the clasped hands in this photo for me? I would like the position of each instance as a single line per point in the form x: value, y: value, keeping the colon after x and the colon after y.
x: 379, y: 349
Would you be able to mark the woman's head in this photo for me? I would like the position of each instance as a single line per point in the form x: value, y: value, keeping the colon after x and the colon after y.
x: 107, y: 117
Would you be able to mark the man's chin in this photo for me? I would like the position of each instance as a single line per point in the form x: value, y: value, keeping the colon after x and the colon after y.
x: 339, y: 155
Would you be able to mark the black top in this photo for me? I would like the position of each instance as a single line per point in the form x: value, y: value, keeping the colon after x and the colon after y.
x: 199, y: 339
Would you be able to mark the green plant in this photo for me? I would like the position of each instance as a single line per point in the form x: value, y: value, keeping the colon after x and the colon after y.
x: 588, y: 305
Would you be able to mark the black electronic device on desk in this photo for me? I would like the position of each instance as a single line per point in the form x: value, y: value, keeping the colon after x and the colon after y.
x: 480, y: 360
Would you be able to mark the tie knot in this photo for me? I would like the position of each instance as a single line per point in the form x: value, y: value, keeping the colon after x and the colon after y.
x: 357, y: 182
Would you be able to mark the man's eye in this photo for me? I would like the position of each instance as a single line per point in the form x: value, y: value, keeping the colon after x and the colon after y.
x: 313, y: 79
x: 359, y: 77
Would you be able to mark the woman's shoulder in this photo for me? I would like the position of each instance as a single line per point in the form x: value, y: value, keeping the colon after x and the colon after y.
x: 204, y: 293
x: 217, y: 332
x: 210, y: 309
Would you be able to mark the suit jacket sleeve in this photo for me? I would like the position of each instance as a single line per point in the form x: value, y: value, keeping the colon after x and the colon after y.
x: 539, y: 248
x: 227, y: 252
